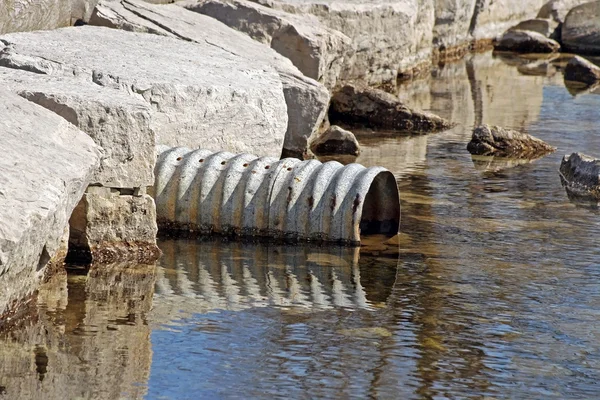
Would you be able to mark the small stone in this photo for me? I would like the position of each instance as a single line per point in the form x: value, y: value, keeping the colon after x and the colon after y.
x: 579, y: 69
x: 368, y: 107
x: 580, y: 176
x: 336, y: 140
x: 488, y: 140
x: 526, y: 42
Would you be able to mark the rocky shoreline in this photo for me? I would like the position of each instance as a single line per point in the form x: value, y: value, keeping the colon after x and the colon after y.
x: 241, y: 76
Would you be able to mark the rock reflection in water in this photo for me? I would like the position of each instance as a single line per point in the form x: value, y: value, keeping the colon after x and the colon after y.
x: 87, y: 339
x: 197, y: 276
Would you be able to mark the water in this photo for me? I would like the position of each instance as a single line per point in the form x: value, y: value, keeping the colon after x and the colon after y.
x: 492, y: 290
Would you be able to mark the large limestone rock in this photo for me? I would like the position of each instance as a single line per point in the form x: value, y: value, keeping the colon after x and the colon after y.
x: 581, y: 30
x: 557, y: 9
x: 579, y: 69
x: 452, y: 23
x: 545, y: 27
x: 46, y: 165
x: 492, y: 17
x: 580, y: 175
x: 526, y: 42
x: 317, y: 51
x: 305, y: 98
x: 200, y: 93
x: 490, y: 140
x: 368, y: 107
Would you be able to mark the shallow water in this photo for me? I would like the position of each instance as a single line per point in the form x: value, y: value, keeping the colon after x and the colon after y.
x: 491, y: 291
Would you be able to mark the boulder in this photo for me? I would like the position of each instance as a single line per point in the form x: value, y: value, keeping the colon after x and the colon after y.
x: 305, y: 100
x: 579, y: 69
x: 318, y: 52
x: 489, y: 140
x: 580, y: 175
x: 581, y: 29
x: 452, y: 23
x: 46, y: 165
x: 493, y: 17
x: 545, y: 27
x: 526, y: 42
x: 557, y: 9
x: 363, y: 106
x: 200, y: 93
x: 336, y: 140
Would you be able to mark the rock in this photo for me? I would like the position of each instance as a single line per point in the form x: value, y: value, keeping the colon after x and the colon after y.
x: 526, y: 42
x: 452, y: 22
x: 557, y: 9
x: 489, y: 140
x: 363, y: 106
x: 545, y: 27
x: 45, y: 168
x: 115, y: 225
x: 115, y: 120
x: 336, y: 140
x: 581, y: 29
x: 580, y: 175
x: 579, y: 69
x: 200, y: 93
x: 318, y: 52
x: 493, y: 17
x: 305, y: 100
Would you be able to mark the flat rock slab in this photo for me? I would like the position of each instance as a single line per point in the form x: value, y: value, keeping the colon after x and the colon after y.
x: 318, y: 52
x: 305, y: 100
x: 362, y: 106
x: 581, y: 29
x: 199, y: 93
x: 526, y: 42
x: 46, y: 165
x: 580, y: 175
x: 489, y: 140
x: 579, y: 69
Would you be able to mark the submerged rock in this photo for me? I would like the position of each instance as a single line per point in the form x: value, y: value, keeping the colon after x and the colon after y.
x: 581, y: 30
x: 374, y: 108
x: 526, y: 42
x: 579, y: 69
x: 580, y: 176
x: 488, y: 140
x: 336, y: 140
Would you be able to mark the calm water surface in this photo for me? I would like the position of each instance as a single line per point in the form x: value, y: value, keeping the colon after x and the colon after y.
x: 491, y: 291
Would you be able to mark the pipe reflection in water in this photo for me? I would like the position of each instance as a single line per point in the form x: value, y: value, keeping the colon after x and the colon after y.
x: 87, y: 338
x: 196, y: 276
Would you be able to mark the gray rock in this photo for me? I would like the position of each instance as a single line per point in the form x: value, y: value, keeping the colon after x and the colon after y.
x: 45, y: 168
x: 305, y: 98
x: 580, y: 175
x: 557, y: 9
x: 115, y: 120
x: 545, y: 27
x: 368, y: 107
x: 115, y: 225
x: 452, y: 23
x: 318, y: 52
x: 489, y: 140
x: 581, y: 30
x: 336, y: 140
x: 526, y: 42
x: 493, y: 17
x: 200, y: 93
x: 579, y: 69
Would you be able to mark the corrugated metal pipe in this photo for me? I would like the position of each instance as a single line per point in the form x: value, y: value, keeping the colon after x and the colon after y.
x: 241, y: 194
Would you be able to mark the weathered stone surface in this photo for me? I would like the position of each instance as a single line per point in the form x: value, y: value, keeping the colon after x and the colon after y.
x: 368, y: 107
x: 200, y: 93
x: 557, y: 9
x: 492, y: 17
x: 317, y: 51
x: 452, y: 23
x: 579, y: 69
x: 580, y: 175
x: 116, y: 121
x: 305, y: 98
x: 115, y: 225
x: 336, y: 140
x: 545, y: 27
x: 581, y: 29
x: 45, y: 168
x: 526, y: 42
x: 488, y: 140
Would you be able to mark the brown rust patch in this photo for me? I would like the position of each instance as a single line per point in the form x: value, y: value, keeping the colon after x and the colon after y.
x: 356, y: 203
x: 289, y: 196
x: 179, y: 158
x: 333, y: 202
x: 311, y: 202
